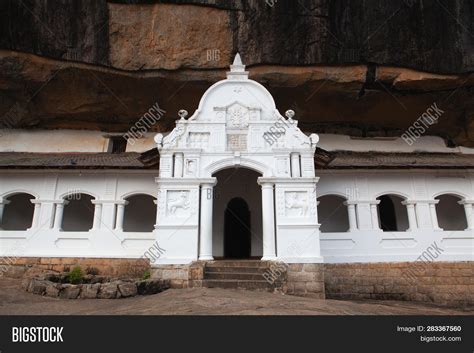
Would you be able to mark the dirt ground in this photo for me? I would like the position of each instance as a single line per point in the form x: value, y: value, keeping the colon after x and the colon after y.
x: 204, y: 301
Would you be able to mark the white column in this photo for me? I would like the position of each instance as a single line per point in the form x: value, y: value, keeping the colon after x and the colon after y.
x: 205, y: 241
x: 120, y: 213
x: 374, y: 215
x: 97, y: 215
x: 468, y: 210
x: 351, y: 215
x: 412, y: 225
x: 178, y: 165
x: 434, y: 215
x: 157, y: 216
x: 295, y: 165
x: 36, y: 214
x: 3, y: 203
x: 268, y: 220
x: 58, y: 215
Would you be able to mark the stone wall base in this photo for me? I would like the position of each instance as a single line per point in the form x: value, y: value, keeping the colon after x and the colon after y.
x: 305, y: 280
x: 443, y: 283
x: 18, y: 267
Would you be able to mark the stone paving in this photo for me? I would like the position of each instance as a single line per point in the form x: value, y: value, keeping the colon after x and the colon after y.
x: 205, y: 301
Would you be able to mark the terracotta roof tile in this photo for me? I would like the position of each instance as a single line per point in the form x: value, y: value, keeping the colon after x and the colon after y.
x: 128, y: 160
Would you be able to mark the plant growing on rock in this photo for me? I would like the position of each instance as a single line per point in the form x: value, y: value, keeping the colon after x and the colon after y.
x: 75, y: 276
x: 146, y: 274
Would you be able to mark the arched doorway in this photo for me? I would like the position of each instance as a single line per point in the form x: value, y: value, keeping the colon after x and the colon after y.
x: 237, y: 232
x: 237, y: 214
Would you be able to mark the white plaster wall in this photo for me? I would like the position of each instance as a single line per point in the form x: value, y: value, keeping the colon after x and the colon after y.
x: 373, y: 245
x: 357, y: 246
x: 50, y: 187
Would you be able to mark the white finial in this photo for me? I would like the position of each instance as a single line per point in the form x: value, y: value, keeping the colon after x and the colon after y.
x: 290, y: 114
x: 183, y: 114
x: 237, y: 69
x: 237, y: 60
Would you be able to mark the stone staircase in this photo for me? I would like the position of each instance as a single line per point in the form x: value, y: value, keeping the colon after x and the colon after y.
x: 239, y: 274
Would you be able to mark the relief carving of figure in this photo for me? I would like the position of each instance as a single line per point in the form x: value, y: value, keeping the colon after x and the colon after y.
x: 294, y: 202
x: 181, y: 201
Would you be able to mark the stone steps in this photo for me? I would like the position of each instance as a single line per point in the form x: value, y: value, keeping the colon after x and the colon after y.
x: 238, y: 274
x: 240, y: 284
x: 240, y: 269
x: 234, y: 275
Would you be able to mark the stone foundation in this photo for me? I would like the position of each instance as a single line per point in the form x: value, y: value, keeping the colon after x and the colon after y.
x: 443, y: 283
x: 18, y: 267
x: 305, y: 280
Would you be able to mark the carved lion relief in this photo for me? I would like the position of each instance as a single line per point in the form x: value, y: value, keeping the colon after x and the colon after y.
x: 178, y: 204
x: 296, y: 203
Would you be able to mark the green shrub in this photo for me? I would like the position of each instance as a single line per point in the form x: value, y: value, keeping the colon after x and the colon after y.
x: 75, y: 276
x: 146, y: 274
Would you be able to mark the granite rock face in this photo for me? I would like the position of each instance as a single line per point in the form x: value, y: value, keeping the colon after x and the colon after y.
x: 365, y: 68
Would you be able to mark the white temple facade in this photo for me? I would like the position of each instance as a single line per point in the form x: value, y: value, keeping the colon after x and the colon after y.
x: 236, y: 179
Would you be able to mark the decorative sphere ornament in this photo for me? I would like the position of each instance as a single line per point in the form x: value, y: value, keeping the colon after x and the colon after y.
x: 183, y: 113
x: 290, y: 114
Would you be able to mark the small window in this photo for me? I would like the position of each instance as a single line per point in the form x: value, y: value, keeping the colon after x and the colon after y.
x: 117, y: 144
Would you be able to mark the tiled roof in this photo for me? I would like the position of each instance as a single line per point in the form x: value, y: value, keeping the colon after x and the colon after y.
x: 128, y: 160
x: 150, y: 160
x: 385, y: 160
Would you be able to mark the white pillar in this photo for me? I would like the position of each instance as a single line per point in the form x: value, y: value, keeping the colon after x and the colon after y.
x: 434, y: 215
x: 157, y: 216
x: 374, y: 215
x: 205, y: 241
x: 295, y: 165
x: 36, y: 214
x: 3, y: 203
x: 97, y: 215
x: 58, y: 215
x: 120, y: 214
x: 412, y: 225
x: 178, y: 165
x: 268, y: 220
x: 468, y: 210
x: 351, y: 212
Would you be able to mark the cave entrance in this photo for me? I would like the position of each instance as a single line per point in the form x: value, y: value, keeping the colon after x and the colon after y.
x: 237, y: 233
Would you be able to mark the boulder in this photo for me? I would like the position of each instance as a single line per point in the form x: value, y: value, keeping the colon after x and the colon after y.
x: 127, y: 289
x: 90, y: 291
x: 70, y: 291
x: 52, y: 289
x: 37, y: 286
x: 108, y: 291
x: 152, y: 286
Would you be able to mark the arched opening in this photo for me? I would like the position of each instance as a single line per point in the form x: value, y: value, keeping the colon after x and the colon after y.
x: 393, y: 216
x: 237, y: 214
x: 78, y: 213
x: 450, y: 213
x: 18, y: 213
x: 332, y: 214
x: 237, y: 236
x: 140, y: 214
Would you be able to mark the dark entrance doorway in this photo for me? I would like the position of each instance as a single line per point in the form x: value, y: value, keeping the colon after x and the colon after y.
x: 237, y: 229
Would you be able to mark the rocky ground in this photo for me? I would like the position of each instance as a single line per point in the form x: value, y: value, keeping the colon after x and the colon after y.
x: 205, y: 301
